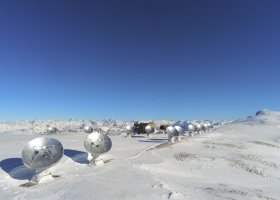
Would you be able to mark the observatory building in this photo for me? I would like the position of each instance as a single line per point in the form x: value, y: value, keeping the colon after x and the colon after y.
x: 141, y: 126
x: 163, y: 127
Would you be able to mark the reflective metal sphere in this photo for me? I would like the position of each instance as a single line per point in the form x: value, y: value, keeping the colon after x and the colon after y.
x: 51, y: 130
x: 42, y: 153
x: 88, y: 129
x: 149, y: 129
x: 191, y: 127
x: 208, y: 127
x: 172, y: 132
x: 205, y: 127
x: 97, y: 144
x: 129, y: 129
x: 198, y: 127
x: 180, y: 130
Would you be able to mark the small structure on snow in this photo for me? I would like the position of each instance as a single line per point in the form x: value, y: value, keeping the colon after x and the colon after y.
x: 141, y: 127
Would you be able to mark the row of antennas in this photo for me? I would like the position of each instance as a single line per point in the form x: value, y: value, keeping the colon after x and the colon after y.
x: 174, y: 133
x: 43, y: 153
x: 52, y: 130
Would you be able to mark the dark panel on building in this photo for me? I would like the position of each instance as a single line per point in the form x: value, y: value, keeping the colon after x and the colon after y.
x: 163, y: 127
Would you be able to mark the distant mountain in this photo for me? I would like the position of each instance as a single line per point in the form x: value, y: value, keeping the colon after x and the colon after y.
x: 262, y: 117
x: 39, y: 126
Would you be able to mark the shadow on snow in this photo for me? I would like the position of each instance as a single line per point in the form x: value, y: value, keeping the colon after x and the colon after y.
x: 153, y: 140
x: 134, y: 136
x: 77, y: 156
x: 16, y: 169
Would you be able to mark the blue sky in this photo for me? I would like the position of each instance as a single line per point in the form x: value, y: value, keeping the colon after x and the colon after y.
x: 138, y: 60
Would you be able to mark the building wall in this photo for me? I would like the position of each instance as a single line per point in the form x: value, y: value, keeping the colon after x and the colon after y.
x: 141, y: 127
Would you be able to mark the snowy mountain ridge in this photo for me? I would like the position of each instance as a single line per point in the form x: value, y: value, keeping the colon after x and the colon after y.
x: 39, y: 126
x: 262, y: 117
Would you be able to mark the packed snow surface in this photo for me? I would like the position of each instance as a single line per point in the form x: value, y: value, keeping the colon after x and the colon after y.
x: 234, y: 161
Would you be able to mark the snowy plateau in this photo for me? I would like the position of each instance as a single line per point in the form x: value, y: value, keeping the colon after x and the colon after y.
x: 234, y: 160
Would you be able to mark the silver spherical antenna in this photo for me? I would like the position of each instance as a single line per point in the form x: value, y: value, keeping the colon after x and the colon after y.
x: 149, y: 130
x: 191, y: 129
x: 205, y: 127
x: 88, y: 129
x: 40, y: 154
x: 129, y: 130
x: 198, y: 128
x: 172, y: 133
x: 180, y: 130
x: 97, y: 144
x: 51, y: 130
x: 208, y: 126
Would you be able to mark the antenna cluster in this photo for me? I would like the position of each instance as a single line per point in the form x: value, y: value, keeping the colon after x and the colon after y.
x: 174, y: 133
x: 44, y: 152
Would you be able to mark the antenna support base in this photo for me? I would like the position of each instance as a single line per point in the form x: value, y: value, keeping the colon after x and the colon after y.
x: 42, y: 177
x: 148, y: 135
x: 96, y: 162
x: 171, y: 139
x: 177, y: 139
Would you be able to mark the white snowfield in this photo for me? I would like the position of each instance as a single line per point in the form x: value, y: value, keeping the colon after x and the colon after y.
x: 235, y: 161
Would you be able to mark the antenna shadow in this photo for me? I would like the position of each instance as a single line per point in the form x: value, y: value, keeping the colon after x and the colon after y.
x: 77, y: 156
x: 154, y: 141
x: 158, y: 139
x: 16, y: 169
x: 133, y: 136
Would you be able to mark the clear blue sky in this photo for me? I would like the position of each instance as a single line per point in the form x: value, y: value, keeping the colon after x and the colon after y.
x: 138, y: 60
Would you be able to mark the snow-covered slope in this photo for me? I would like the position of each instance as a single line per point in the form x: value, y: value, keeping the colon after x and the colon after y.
x: 238, y: 161
x: 262, y: 117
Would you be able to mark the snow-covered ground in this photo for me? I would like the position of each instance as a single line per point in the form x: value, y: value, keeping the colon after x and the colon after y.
x: 235, y: 161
